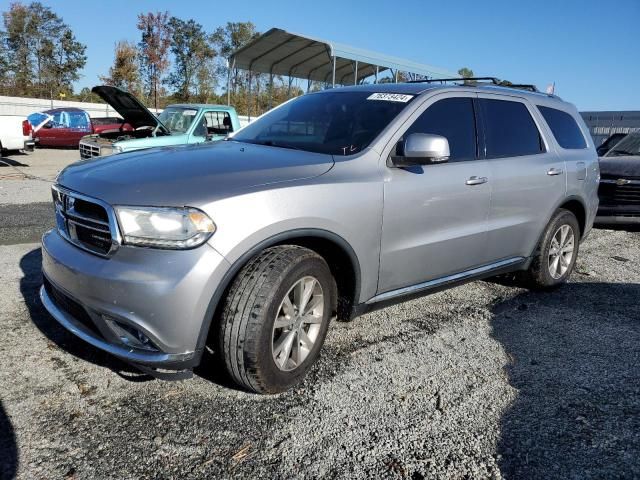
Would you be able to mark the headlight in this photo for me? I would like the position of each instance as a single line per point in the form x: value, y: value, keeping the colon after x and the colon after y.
x: 106, y: 150
x: 176, y: 228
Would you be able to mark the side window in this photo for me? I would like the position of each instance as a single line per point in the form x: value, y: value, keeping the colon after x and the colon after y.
x: 454, y: 119
x: 509, y: 129
x: 218, y: 123
x: 564, y: 128
x: 57, y: 120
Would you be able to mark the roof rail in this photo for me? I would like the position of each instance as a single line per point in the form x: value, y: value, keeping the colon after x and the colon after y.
x: 492, y: 80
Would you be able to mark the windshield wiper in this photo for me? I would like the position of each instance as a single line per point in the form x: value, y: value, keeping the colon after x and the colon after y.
x: 271, y: 143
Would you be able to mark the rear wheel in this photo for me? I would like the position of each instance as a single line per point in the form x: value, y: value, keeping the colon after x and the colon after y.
x: 275, y: 318
x: 556, y: 253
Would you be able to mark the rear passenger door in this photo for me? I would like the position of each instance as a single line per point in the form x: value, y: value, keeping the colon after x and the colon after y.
x: 527, y: 176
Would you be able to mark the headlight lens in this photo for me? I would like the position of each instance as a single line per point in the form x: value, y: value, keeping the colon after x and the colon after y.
x: 176, y: 228
x: 106, y: 150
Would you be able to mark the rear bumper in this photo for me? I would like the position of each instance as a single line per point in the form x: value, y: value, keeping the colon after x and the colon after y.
x: 163, y: 294
x: 29, y: 145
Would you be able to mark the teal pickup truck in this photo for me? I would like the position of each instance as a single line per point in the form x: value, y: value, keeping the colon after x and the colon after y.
x: 176, y: 125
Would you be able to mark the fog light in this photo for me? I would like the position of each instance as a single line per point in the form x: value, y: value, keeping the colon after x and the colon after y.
x: 129, y: 335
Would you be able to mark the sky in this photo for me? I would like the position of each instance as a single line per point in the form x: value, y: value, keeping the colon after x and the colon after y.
x: 589, y: 48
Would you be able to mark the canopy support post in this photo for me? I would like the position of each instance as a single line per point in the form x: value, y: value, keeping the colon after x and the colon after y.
x: 355, y: 74
x: 396, y: 75
x: 270, y: 90
x: 228, y: 83
x: 249, y: 99
x: 377, y: 71
x: 333, y: 75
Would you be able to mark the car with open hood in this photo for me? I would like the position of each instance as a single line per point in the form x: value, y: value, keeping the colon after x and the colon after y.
x: 619, y: 189
x: 178, y: 124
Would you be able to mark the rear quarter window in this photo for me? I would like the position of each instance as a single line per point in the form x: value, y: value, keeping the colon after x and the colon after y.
x: 564, y: 128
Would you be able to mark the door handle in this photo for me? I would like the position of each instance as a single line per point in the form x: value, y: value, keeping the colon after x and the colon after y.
x: 476, y: 180
x: 555, y: 171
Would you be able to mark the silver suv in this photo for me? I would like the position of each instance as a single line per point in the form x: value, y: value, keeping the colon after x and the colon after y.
x: 333, y: 204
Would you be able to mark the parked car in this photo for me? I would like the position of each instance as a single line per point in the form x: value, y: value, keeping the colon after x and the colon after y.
x: 620, y: 183
x: 176, y: 125
x: 332, y: 204
x: 609, y: 143
x: 15, y: 133
x: 64, y: 127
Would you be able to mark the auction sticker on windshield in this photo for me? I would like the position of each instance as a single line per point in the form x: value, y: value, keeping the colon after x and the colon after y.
x: 390, y: 97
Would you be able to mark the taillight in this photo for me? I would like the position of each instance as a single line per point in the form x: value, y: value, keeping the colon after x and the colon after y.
x: 26, y: 128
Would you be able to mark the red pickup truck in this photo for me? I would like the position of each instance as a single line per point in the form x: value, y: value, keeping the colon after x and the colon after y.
x: 64, y: 127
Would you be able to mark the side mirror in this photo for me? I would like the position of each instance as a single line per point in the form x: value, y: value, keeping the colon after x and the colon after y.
x: 423, y: 149
x: 48, y: 125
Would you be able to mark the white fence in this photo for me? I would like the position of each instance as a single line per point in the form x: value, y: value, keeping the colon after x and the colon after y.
x: 21, y: 107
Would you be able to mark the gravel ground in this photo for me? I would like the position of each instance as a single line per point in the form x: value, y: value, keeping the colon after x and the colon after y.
x: 27, y: 177
x: 481, y: 381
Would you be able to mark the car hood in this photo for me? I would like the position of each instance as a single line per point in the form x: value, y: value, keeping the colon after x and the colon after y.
x: 620, y: 167
x: 129, y: 107
x: 192, y: 175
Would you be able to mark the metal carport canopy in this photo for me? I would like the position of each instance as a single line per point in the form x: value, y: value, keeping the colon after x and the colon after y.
x: 279, y: 52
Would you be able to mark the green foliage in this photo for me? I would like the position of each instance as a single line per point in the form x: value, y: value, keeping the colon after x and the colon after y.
x: 41, y: 56
x: 193, y: 55
x: 125, y: 71
x: 465, y: 72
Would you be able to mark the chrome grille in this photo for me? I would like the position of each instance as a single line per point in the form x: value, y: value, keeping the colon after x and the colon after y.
x: 88, y: 150
x: 620, y: 191
x: 85, y: 222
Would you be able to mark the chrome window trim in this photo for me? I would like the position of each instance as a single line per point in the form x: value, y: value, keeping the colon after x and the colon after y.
x: 114, y: 231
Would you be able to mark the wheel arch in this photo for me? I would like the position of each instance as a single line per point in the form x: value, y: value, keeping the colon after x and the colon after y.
x: 337, y: 252
x: 576, y: 206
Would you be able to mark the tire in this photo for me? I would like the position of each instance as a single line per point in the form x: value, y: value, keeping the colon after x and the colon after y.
x: 248, y: 336
x: 548, y: 270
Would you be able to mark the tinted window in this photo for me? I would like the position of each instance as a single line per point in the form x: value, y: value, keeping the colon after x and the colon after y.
x: 509, y: 129
x: 564, y: 128
x: 333, y: 122
x: 454, y: 119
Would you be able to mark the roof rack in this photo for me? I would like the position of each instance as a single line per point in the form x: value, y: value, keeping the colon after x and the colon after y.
x: 493, y: 80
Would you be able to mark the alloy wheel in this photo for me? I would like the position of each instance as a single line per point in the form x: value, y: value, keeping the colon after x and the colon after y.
x: 297, y: 324
x: 561, y: 251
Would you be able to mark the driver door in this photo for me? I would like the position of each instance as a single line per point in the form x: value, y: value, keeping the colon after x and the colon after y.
x: 435, y: 215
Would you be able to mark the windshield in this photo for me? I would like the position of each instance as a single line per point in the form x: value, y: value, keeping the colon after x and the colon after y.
x: 178, y: 120
x: 337, y: 123
x: 629, y: 145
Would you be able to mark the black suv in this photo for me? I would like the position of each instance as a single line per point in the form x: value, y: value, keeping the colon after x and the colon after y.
x: 619, y: 189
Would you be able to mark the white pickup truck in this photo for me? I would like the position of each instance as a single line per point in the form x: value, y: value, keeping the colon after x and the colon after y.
x: 15, y: 133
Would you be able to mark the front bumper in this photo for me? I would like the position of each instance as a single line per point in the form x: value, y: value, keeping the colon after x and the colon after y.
x: 164, y: 294
x: 618, y: 215
x: 617, y: 220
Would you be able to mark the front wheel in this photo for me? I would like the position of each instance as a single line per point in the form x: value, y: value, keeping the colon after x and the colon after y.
x: 556, y: 253
x: 275, y: 318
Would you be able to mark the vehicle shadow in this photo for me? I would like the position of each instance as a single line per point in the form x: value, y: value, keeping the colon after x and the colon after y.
x: 8, y: 447
x: 575, y: 363
x: 31, y: 265
x: 11, y: 162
